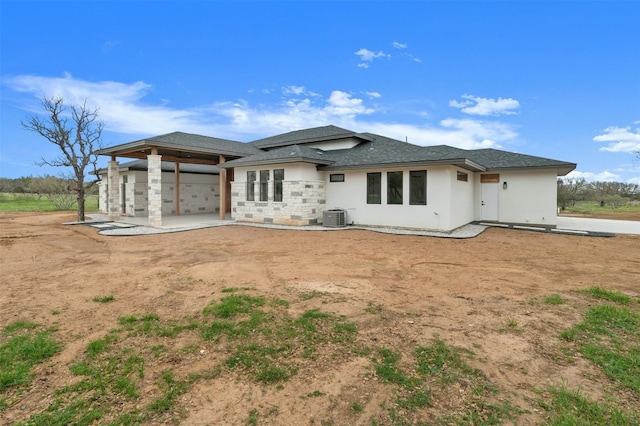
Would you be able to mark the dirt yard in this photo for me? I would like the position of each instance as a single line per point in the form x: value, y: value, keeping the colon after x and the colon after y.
x: 482, y: 294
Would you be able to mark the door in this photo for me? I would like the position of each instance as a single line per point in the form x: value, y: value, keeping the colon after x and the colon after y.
x: 489, y: 185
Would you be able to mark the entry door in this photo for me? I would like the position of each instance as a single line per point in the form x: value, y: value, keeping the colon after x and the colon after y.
x: 489, y: 185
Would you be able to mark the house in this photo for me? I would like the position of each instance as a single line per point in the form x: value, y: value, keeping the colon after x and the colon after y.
x: 293, y: 178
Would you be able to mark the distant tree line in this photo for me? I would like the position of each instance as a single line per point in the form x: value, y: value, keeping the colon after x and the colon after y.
x: 613, y: 194
x: 58, y: 190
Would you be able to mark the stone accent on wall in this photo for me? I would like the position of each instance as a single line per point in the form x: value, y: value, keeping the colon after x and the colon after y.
x: 303, y: 203
x: 154, y: 182
x: 113, y: 190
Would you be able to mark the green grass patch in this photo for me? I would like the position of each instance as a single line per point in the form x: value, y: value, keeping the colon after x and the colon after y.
x: 433, y: 368
x: 554, y: 299
x: 25, y: 346
x: 34, y: 203
x: 610, y: 337
x: 104, y: 299
x: 264, y: 341
x: 612, y: 296
x: 567, y: 407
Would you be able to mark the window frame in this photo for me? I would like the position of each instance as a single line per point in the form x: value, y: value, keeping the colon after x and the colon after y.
x: 264, y: 185
x: 419, y: 199
x: 277, y: 184
x: 251, y: 185
x: 395, y: 187
x: 374, y: 189
x: 336, y: 177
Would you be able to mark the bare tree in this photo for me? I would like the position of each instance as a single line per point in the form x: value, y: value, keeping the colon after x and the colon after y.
x: 77, y: 132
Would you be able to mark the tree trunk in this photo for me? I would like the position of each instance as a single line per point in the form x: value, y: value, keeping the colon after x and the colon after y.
x: 81, y: 203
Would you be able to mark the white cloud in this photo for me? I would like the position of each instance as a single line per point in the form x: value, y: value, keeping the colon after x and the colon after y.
x: 122, y: 108
x: 399, y: 45
x: 367, y: 56
x: 605, y: 176
x: 293, y: 90
x: 465, y: 134
x: 475, y: 105
x: 343, y: 104
x: 620, y: 139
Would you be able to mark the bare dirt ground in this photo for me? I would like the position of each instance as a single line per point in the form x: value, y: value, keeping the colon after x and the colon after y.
x: 464, y: 292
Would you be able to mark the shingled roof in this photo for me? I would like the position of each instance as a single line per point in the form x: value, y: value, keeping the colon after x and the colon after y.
x: 380, y: 151
x: 304, y: 136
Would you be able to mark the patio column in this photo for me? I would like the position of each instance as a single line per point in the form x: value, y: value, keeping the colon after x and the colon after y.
x: 177, y: 173
x: 223, y: 189
x: 154, y: 181
x: 113, y: 189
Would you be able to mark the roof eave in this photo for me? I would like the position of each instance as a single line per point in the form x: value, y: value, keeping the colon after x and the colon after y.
x: 561, y: 169
x: 463, y: 163
x: 232, y: 164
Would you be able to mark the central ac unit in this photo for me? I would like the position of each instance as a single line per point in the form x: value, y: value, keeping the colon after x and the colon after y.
x: 335, y: 218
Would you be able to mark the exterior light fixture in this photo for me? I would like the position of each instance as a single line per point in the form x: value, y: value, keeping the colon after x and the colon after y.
x: 504, y: 185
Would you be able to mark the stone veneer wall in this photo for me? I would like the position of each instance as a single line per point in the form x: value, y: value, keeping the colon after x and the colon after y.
x: 303, y: 203
x: 194, y: 198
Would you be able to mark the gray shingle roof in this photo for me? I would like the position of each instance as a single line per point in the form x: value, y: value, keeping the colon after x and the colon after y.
x: 300, y: 137
x: 179, y: 141
x: 286, y: 154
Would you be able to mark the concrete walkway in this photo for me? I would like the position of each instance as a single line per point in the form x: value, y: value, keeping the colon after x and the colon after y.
x: 599, y: 225
x: 129, y: 226
x: 139, y: 226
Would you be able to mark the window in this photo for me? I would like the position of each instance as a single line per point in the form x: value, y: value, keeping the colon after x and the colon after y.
x: 374, y: 188
x: 278, y: 177
x: 394, y: 187
x: 336, y: 177
x: 462, y: 177
x: 251, y: 179
x: 418, y: 188
x: 264, y: 185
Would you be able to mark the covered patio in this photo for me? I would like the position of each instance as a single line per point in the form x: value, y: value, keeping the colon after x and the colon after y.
x: 179, y: 148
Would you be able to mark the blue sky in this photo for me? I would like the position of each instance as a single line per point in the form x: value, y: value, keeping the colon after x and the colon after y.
x: 555, y: 79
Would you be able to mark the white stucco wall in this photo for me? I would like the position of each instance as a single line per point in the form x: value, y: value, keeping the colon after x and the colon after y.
x: 448, y: 201
x: 530, y: 197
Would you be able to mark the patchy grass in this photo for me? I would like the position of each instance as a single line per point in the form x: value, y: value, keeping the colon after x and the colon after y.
x: 554, y: 299
x: 611, y: 296
x: 135, y: 373
x: 104, y: 299
x: 435, y: 368
x: 610, y: 337
x: 570, y: 407
x: 26, y: 345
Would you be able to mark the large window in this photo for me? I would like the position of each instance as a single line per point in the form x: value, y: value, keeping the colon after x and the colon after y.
x: 394, y: 187
x: 278, y: 177
x: 264, y: 185
x: 251, y: 183
x: 418, y: 187
x: 374, y: 188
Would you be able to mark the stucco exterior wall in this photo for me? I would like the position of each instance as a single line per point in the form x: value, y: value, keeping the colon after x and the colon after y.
x: 530, y: 197
x: 442, y: 198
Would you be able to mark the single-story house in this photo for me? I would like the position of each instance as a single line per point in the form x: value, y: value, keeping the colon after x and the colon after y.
x: 304, y: 176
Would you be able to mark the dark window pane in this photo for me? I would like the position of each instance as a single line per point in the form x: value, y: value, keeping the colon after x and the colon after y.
x: 264, y: 185
x: 251, y: 179
x: 374, y: 188
x: 336, y: 177
x: 418, y: 187
x: 278, y: 177
x: 394, y: 187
